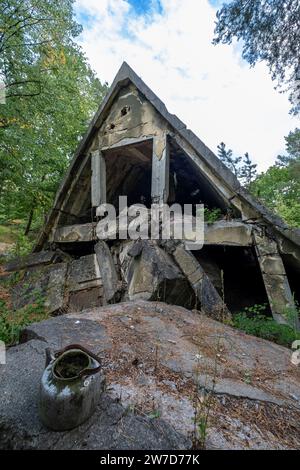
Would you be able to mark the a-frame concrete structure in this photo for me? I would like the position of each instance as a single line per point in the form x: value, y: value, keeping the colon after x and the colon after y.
x: 134, y: 146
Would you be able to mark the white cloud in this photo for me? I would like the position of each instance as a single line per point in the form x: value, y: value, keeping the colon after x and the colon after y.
x: 209, y: 87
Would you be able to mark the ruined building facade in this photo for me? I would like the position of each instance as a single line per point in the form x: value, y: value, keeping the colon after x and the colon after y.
x: 135, y: 147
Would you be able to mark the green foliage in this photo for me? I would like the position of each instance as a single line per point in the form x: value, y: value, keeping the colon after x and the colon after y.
x: 22, y: 246
x: 12, y: 322
x: 248, y: 171
x: 226, y: 156
x: 253, y: 322
x: 241, y: 167
x: 279, y: 187
x: 202, y: 425
x: 212, y: 215
x: 154, y: 414
x: 269, y: 30
x: 52, y: 94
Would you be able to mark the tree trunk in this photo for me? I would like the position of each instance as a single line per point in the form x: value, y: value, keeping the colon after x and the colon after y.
x: 29, y: 222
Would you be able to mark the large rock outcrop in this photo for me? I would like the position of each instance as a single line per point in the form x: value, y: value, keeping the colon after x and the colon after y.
x: 164, y: 366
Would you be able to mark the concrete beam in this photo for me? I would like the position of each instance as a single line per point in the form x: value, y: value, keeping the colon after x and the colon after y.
x: 126, y: 142
x: 223, y: 233
x: 160, y: 169
x: 75, y: 233
x: 108, y: 271
x: 228, y: 233
x: 32, y: 260
x: 275, y: 279
x: 210, y: 301
x: 98, y: 178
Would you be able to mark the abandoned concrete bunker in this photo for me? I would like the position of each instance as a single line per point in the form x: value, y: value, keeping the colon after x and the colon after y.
x: 135, y: 147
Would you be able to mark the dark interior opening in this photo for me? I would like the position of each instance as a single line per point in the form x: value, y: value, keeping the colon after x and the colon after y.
x: 78, y: 208
x: 189, y: 186
x: 293, y: 274
x: 235, y: 273
x: 129, y: 173
x: 78, y: 249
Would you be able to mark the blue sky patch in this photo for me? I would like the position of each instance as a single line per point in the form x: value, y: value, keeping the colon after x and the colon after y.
x: 218, y: 3
x: 142, y: 7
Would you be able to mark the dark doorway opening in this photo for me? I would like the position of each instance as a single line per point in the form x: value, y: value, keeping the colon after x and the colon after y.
x: 236, y: 274
x: 129, y: 173
x: 293, y: 275
x: 188, y: 185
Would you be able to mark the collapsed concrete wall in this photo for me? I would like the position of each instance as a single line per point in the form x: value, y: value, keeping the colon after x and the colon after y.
x: 130, y: 270
x: 237, y: 267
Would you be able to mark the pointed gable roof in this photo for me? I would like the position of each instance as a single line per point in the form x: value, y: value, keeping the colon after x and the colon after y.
x: 124, y: 76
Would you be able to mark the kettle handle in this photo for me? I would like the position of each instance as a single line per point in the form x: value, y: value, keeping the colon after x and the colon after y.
x: 49, y: 356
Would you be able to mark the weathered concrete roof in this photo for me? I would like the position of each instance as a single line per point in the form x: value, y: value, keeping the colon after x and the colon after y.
x: 125, y: 75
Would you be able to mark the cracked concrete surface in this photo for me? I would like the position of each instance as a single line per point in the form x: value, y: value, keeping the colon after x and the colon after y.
x: 158, y: 359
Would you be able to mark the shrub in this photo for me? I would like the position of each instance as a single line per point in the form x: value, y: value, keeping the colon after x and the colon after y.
x: 21, y: 247
x: 253, y: 322
x: 212, y: 215
x: 13, y: 321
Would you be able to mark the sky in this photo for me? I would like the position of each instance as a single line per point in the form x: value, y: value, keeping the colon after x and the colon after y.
x: 210, y: 88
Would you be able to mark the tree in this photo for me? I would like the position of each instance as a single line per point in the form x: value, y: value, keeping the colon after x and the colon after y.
x: 293, y: 151
x: 279, y: 187
x: 28, y: 30
x: 247, y: 171
x: 242, y: 167
x: 51, y: 95
x: 226, y: 156
x: 270, y: 32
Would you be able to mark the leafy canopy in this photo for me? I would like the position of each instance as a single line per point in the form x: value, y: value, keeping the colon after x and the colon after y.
x: 51, y: 94
x: 279, y: 187
x: 270, y: 32
x: 241, y: 167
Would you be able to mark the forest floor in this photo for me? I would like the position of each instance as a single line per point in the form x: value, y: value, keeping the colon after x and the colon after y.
x: 8, y: 233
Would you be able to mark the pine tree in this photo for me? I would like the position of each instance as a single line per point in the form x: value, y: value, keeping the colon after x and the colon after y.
x: 226, y: 156
x: 248, y: 171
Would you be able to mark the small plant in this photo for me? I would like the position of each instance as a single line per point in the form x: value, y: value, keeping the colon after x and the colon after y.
x: 21, y: 247
x: 203, y: 403
x: 291, y: 313
x: 212, y: 215
x: 257, y: 309
x: 154, y: 414
x: 13, y: 321
x: 253, y: 321
x: 202, y: 430
x: 248, y: 377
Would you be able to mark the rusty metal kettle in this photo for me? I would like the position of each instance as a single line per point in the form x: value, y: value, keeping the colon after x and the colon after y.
x: 70, y: 388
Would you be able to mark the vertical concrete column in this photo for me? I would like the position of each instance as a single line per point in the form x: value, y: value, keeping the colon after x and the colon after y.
x: 98, y: 178
x: 160, y: 169
x: 275, y: 279
x: 107, y: 270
